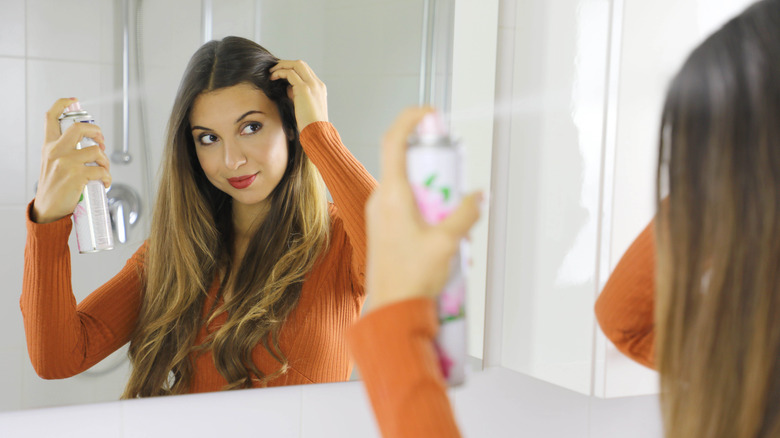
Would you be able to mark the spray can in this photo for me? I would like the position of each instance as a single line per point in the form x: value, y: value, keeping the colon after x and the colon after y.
x: 91, y: 217
x: 434, y: 163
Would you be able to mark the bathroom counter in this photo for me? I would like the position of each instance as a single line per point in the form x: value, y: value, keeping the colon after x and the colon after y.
x: 493, y: 403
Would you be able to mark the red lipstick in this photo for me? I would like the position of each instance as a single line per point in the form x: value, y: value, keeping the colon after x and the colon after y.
x: 242, y: 182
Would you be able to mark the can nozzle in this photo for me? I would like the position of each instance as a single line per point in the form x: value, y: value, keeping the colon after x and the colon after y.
x: 75, y: 106
x: 431, y: 126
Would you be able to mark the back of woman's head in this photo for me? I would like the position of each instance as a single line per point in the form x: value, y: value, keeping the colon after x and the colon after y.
x: 718, y: 302
x: 192, y: 237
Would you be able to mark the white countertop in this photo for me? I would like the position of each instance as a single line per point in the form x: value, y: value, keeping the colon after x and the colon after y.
x: 494, y: 403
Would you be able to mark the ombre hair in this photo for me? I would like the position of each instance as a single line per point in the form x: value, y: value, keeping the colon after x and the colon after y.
x: 192, y: 237
x: 718, y: 297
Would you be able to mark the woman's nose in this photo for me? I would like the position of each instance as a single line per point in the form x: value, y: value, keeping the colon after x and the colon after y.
x: 234, y: 156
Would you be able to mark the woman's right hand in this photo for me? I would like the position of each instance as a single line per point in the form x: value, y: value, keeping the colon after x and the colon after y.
x: 407, y: 257
x: 63, y: 167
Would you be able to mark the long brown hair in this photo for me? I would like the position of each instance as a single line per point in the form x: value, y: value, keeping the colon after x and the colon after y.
x: 718, y: 297
x: 191, y: 243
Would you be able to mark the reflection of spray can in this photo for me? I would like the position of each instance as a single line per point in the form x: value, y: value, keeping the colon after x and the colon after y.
x: 436, y: 175
x: 93, y: 226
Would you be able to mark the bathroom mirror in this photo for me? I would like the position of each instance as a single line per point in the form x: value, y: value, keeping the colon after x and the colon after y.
x: 124, y: 60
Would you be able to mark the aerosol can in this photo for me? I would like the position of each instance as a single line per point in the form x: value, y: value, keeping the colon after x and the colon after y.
x: 434, y: 163
x: 91, y: 217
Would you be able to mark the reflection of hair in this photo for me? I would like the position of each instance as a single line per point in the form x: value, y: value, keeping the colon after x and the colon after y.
x: 718, y: 302
x: 191, y: 242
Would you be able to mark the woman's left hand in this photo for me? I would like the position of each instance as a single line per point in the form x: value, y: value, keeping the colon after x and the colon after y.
x: 307, y: 91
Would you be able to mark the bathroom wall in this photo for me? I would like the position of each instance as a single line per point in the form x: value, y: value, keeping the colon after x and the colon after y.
x: 51, y: 49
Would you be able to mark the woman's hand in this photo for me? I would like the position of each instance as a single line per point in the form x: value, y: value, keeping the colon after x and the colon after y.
x: 63, y: 170
x: 407, y: 257
x: 308, y: 93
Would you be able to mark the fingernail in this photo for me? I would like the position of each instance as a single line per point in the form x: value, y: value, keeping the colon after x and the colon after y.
x: 72, y: 98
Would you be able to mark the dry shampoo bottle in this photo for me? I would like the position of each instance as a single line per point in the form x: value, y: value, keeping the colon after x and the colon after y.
x: 434, y: 162
x: 91, y: 217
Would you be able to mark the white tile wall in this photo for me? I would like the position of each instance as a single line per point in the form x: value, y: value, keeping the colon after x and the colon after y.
x: 306, y: 42
x: 11, y: 363
x: 46, y: 82
x: 362, y: 108
x: 38, y: 392
x: 71, y: 30
x: 12, y: 28
x: 12, y: 123
x: 233, y: 17
x: 12, y: 254
x: 171, y: 32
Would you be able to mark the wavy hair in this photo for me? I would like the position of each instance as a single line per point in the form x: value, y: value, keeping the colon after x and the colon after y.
x: 718, y: 298
x: 192, y: 238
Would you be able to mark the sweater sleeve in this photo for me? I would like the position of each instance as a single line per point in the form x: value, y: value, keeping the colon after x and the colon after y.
x: 349, y: 184
x: 393, y: 348
x: 63, y: 338
x: 625, y: 307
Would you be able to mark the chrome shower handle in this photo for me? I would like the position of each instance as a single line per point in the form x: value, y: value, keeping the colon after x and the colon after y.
x: 125, y: 209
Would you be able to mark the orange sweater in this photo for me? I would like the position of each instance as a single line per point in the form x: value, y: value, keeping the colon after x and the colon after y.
x: 64, y: 339
x: 625, y: 307
x: 393, y: 348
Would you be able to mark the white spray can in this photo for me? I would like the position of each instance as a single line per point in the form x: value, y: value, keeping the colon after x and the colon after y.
x: 91, y: 217
x: 435, y: 170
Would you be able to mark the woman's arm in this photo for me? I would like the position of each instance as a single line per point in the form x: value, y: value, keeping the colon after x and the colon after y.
x: 408, y: 264
x: 64, y: 339
x: 349, y: 182
x: 625, y: 307
x: 393, y: 347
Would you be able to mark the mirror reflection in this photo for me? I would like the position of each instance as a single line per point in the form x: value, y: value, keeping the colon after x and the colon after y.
x: 129, y: 85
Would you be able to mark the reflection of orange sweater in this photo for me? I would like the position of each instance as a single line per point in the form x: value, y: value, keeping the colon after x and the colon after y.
x: 625, y: 306
x: 394, y: 351
x: 64, y: 339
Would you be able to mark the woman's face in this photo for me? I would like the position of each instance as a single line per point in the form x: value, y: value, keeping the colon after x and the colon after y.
x: 240, y: 142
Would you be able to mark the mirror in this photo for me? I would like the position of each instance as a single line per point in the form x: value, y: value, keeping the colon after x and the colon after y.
x: 372, y: 57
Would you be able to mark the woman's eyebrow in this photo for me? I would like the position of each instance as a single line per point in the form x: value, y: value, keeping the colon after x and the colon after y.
x: 248, y: 113
x: 237, y: 120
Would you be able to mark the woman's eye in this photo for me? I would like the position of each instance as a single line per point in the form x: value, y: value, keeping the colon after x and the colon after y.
x: 251, y: 128
x: 207, y: 139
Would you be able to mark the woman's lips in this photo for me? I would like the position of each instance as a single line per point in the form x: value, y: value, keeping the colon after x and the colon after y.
x: 242, y: 182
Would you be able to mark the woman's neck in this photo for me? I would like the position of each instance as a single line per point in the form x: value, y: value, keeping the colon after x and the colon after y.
x: 246, y: 219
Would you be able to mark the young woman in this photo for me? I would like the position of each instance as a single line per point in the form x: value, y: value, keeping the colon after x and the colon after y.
x: 249, y: 277
x: 716, y: 325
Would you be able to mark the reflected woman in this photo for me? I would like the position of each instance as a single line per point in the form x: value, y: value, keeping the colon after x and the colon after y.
x: 706, y: 313
x: 716, y: 325
x: 249, y: 277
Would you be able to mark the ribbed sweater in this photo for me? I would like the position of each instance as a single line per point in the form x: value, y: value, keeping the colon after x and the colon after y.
x: 65, y: 338
x: 394, y: 351
x: 625, y: 306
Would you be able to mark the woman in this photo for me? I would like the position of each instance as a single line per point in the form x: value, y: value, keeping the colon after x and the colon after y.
x: 718, y: 291
x: 712, y: 330
x: 249, y: 277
